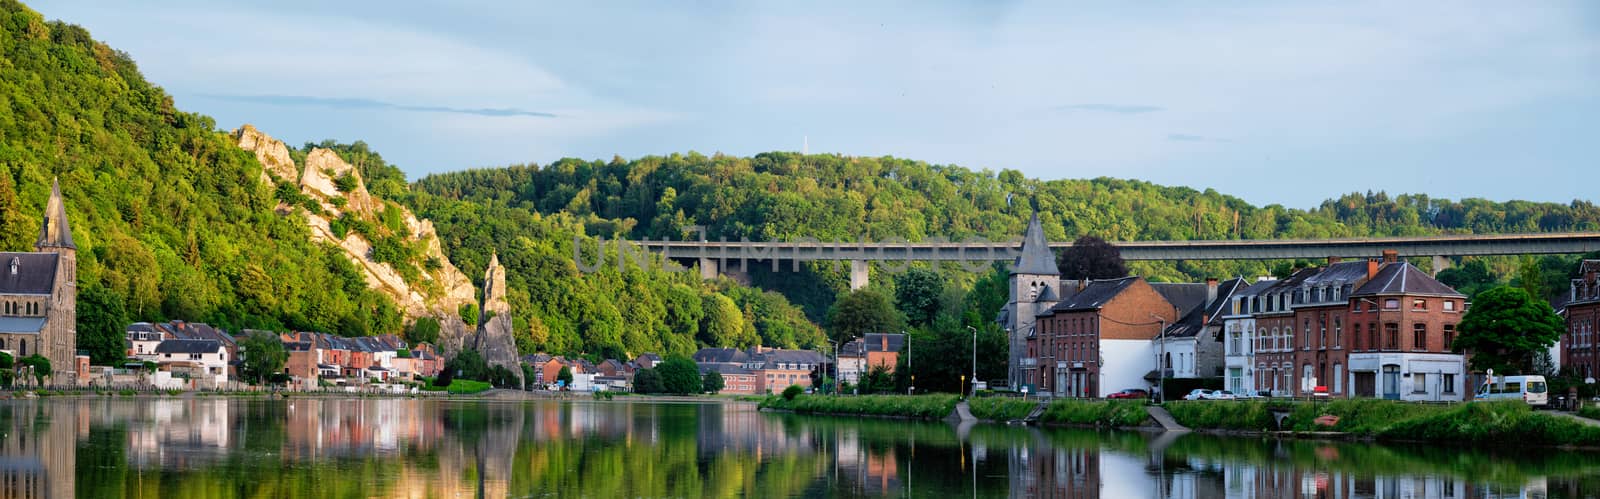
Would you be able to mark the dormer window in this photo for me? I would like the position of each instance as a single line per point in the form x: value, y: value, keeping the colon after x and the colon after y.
x: 15, y: 263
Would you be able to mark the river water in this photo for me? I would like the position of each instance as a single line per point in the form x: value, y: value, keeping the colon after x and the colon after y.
x: 233, y: 447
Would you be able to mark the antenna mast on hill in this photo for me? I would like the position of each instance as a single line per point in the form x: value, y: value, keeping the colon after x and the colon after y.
x: 805, y: 144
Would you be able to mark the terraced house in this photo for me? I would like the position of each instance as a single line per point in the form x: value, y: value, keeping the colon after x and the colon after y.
x: 1578, y: 351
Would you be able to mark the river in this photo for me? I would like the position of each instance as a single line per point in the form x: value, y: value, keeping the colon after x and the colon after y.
x: 372, y: 447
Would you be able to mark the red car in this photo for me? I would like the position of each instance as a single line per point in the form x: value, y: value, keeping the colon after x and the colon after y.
x: 1131, y: 393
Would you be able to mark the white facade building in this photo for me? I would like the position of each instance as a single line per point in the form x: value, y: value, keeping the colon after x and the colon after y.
x: 1413, y: 377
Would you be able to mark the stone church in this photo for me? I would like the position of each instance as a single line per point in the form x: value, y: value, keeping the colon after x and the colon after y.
x: 1035, y: 287
x: 39, y: 295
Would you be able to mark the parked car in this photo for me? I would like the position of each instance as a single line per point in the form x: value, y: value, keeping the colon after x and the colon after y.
x: 1222, y: 395
x: 1198, y: 394
x: 1131, y: 393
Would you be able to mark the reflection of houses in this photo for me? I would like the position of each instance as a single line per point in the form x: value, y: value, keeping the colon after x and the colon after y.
x: 38, y: 456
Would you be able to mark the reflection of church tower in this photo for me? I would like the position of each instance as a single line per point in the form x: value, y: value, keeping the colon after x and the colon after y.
x: 1035, y: 287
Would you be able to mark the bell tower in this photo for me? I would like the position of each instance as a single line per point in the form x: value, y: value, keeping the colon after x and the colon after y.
x: 1035, y: 285
x: 59, y: 338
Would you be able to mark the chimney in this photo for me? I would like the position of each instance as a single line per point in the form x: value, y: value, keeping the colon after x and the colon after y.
x: 885, y: 342
x: 1391, y: 256
x: 1334, y: 259
x: 1372, y: 268
x: 1211, y: 291
x: 1083, y: 283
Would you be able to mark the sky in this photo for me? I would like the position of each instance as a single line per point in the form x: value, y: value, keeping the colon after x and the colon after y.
x: 1275, y: 102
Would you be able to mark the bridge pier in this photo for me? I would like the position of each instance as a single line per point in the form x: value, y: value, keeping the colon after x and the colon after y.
x: 709, y: 268
x: 1440, y: 262
x: 858, y: 274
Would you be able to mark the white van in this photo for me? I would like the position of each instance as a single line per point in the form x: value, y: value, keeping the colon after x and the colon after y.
x: 1530, y: 389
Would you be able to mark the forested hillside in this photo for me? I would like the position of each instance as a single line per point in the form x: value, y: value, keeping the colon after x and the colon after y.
x: 784, y: 196
x: 169, y: 216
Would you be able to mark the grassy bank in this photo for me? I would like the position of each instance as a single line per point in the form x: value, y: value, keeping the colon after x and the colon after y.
x: 459, y: 387
x: 1112, y: 413
x: 918, y: 406
x: 1591, y: 412
x: 1001, y: 409
x: 1479, y: 422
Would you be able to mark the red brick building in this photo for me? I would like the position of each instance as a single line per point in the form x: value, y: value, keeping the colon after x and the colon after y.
x: 1403, y: 324
x: 1578, y: 351
x: 1096, y: 340
x: 1320, y: 304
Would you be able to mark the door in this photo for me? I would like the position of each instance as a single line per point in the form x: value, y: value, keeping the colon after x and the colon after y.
x: 1061, y: 383
x: 1391, y: 382
x: 1366, y: 384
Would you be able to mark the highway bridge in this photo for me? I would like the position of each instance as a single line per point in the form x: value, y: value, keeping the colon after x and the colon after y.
x: 715, y: 257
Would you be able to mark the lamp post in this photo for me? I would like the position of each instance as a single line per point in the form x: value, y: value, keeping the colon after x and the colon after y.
x: 974, y: 358
x: 836, y: 371
x: 1161, y: 347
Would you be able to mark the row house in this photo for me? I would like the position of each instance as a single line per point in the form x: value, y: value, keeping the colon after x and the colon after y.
x: 1190, y: 347
x: 1400, y: 349
x: 1351, y: 329
x: 1239, y: 337
x: 1320, y: 303
x: 1097, y: 339
x: 859, y: 356
x: 736, y: 379
x: 141, y: 338
x: 1578, y: 352
x: 774, y: 369
x: 341, y: 360
x: 205, y: 362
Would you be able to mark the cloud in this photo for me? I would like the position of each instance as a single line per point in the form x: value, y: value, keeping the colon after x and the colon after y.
x: 1111, y: 108
x: 353, y: 103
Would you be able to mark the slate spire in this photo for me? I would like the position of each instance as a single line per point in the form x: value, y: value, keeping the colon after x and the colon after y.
x: 55, y: 233
x: 1036, y: 257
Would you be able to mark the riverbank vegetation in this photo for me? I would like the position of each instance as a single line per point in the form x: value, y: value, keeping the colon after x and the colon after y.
x: 907, y: 406
x: 1477, y: 422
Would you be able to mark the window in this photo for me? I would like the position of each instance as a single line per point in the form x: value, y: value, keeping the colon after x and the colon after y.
x: 1449, y: 335
x: 1391, y: 304
x: 1391, y: 332
x: 1419, y: 383
x: 1338, y: 332
x: 1419, y: 336
x: 1322, y: 335
x: 1449, y: 305
x: 1449, y: 383
x: 1419, y: 304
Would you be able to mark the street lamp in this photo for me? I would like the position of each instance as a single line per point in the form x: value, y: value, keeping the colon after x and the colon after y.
x: 1161, y: 347
x: 974, y: 359
x: 836, y: 371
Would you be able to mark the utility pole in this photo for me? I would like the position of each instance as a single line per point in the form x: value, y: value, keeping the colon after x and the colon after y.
x: 1161, y: 347
x: 974, y: 359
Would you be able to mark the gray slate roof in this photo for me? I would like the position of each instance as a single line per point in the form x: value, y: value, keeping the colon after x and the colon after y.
x: 873, y: 342
x: 1036, y: 257
x: 36, y: 273
x: 713, y: 354
x: 189, y: 346
x: 1186, y: 296
x: 1094, y: 295
x: 1404, y: 278
x: 21, y: 325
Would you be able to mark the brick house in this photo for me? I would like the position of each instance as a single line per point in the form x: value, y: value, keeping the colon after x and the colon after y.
x: 1578, y: 352
x: 1192, y: 347
x: 736, y: 379
x: 1097, y: 339
x: 861, y: 355
x: 1404, y: 324
x: 1320, y: 303
x: 1275, y: 323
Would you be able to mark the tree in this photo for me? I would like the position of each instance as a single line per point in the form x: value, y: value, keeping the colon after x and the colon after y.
x: 39, y: 366
x: 1092, y: 258
x: 861, y: 312
x: 102, y: 320
x: 723, y: 324
x: 1505, y: 328
x: 261, y: 355
x: 15, y: 224
x: 564, y: 376
x: 679, y: 375
x: 469, y: 314
x: 7, y: 375
x: 423, y: 330
x: 877, y: 380
x: 917, y: 293
x: 712, y: 382
x: 468, y: 364
x: 1531, y: 278
x: 1469, y: 278
x: 648, y: 381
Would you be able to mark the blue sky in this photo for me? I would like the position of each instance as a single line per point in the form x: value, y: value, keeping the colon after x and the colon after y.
x: 1275, y: 102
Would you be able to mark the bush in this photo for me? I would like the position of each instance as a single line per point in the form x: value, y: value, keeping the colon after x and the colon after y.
x: 910, y: 406
x: 1113, y: 413
x: 792, y: 391
x: 1590, y: 411
x: 466, y: 386
x: 1001, y: 409
x: 1488, y: 422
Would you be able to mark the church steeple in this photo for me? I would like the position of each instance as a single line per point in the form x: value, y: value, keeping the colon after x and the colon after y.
x: 55, y: 233
x: 1036, y: 257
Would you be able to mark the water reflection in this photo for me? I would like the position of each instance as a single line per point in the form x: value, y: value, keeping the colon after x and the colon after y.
x: 211, y: 447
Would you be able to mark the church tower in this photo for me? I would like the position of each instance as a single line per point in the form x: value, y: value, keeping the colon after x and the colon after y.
x: 1035, y: 287
x: 59, y: 336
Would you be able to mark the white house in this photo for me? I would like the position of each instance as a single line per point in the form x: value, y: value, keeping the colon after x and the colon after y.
x: 1239, y: 335
x: 142, y: 339
x: 205, y: 361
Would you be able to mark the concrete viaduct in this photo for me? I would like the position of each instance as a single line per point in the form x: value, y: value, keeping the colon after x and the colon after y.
x: 714, y: 257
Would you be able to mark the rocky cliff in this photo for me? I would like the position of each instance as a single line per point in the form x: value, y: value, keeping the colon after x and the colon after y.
x: 437, y: 293
x: 494, y: 339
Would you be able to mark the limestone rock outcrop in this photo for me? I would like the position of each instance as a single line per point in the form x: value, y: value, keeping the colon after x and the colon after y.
x: 494, y: 339
x: 441, y: 293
